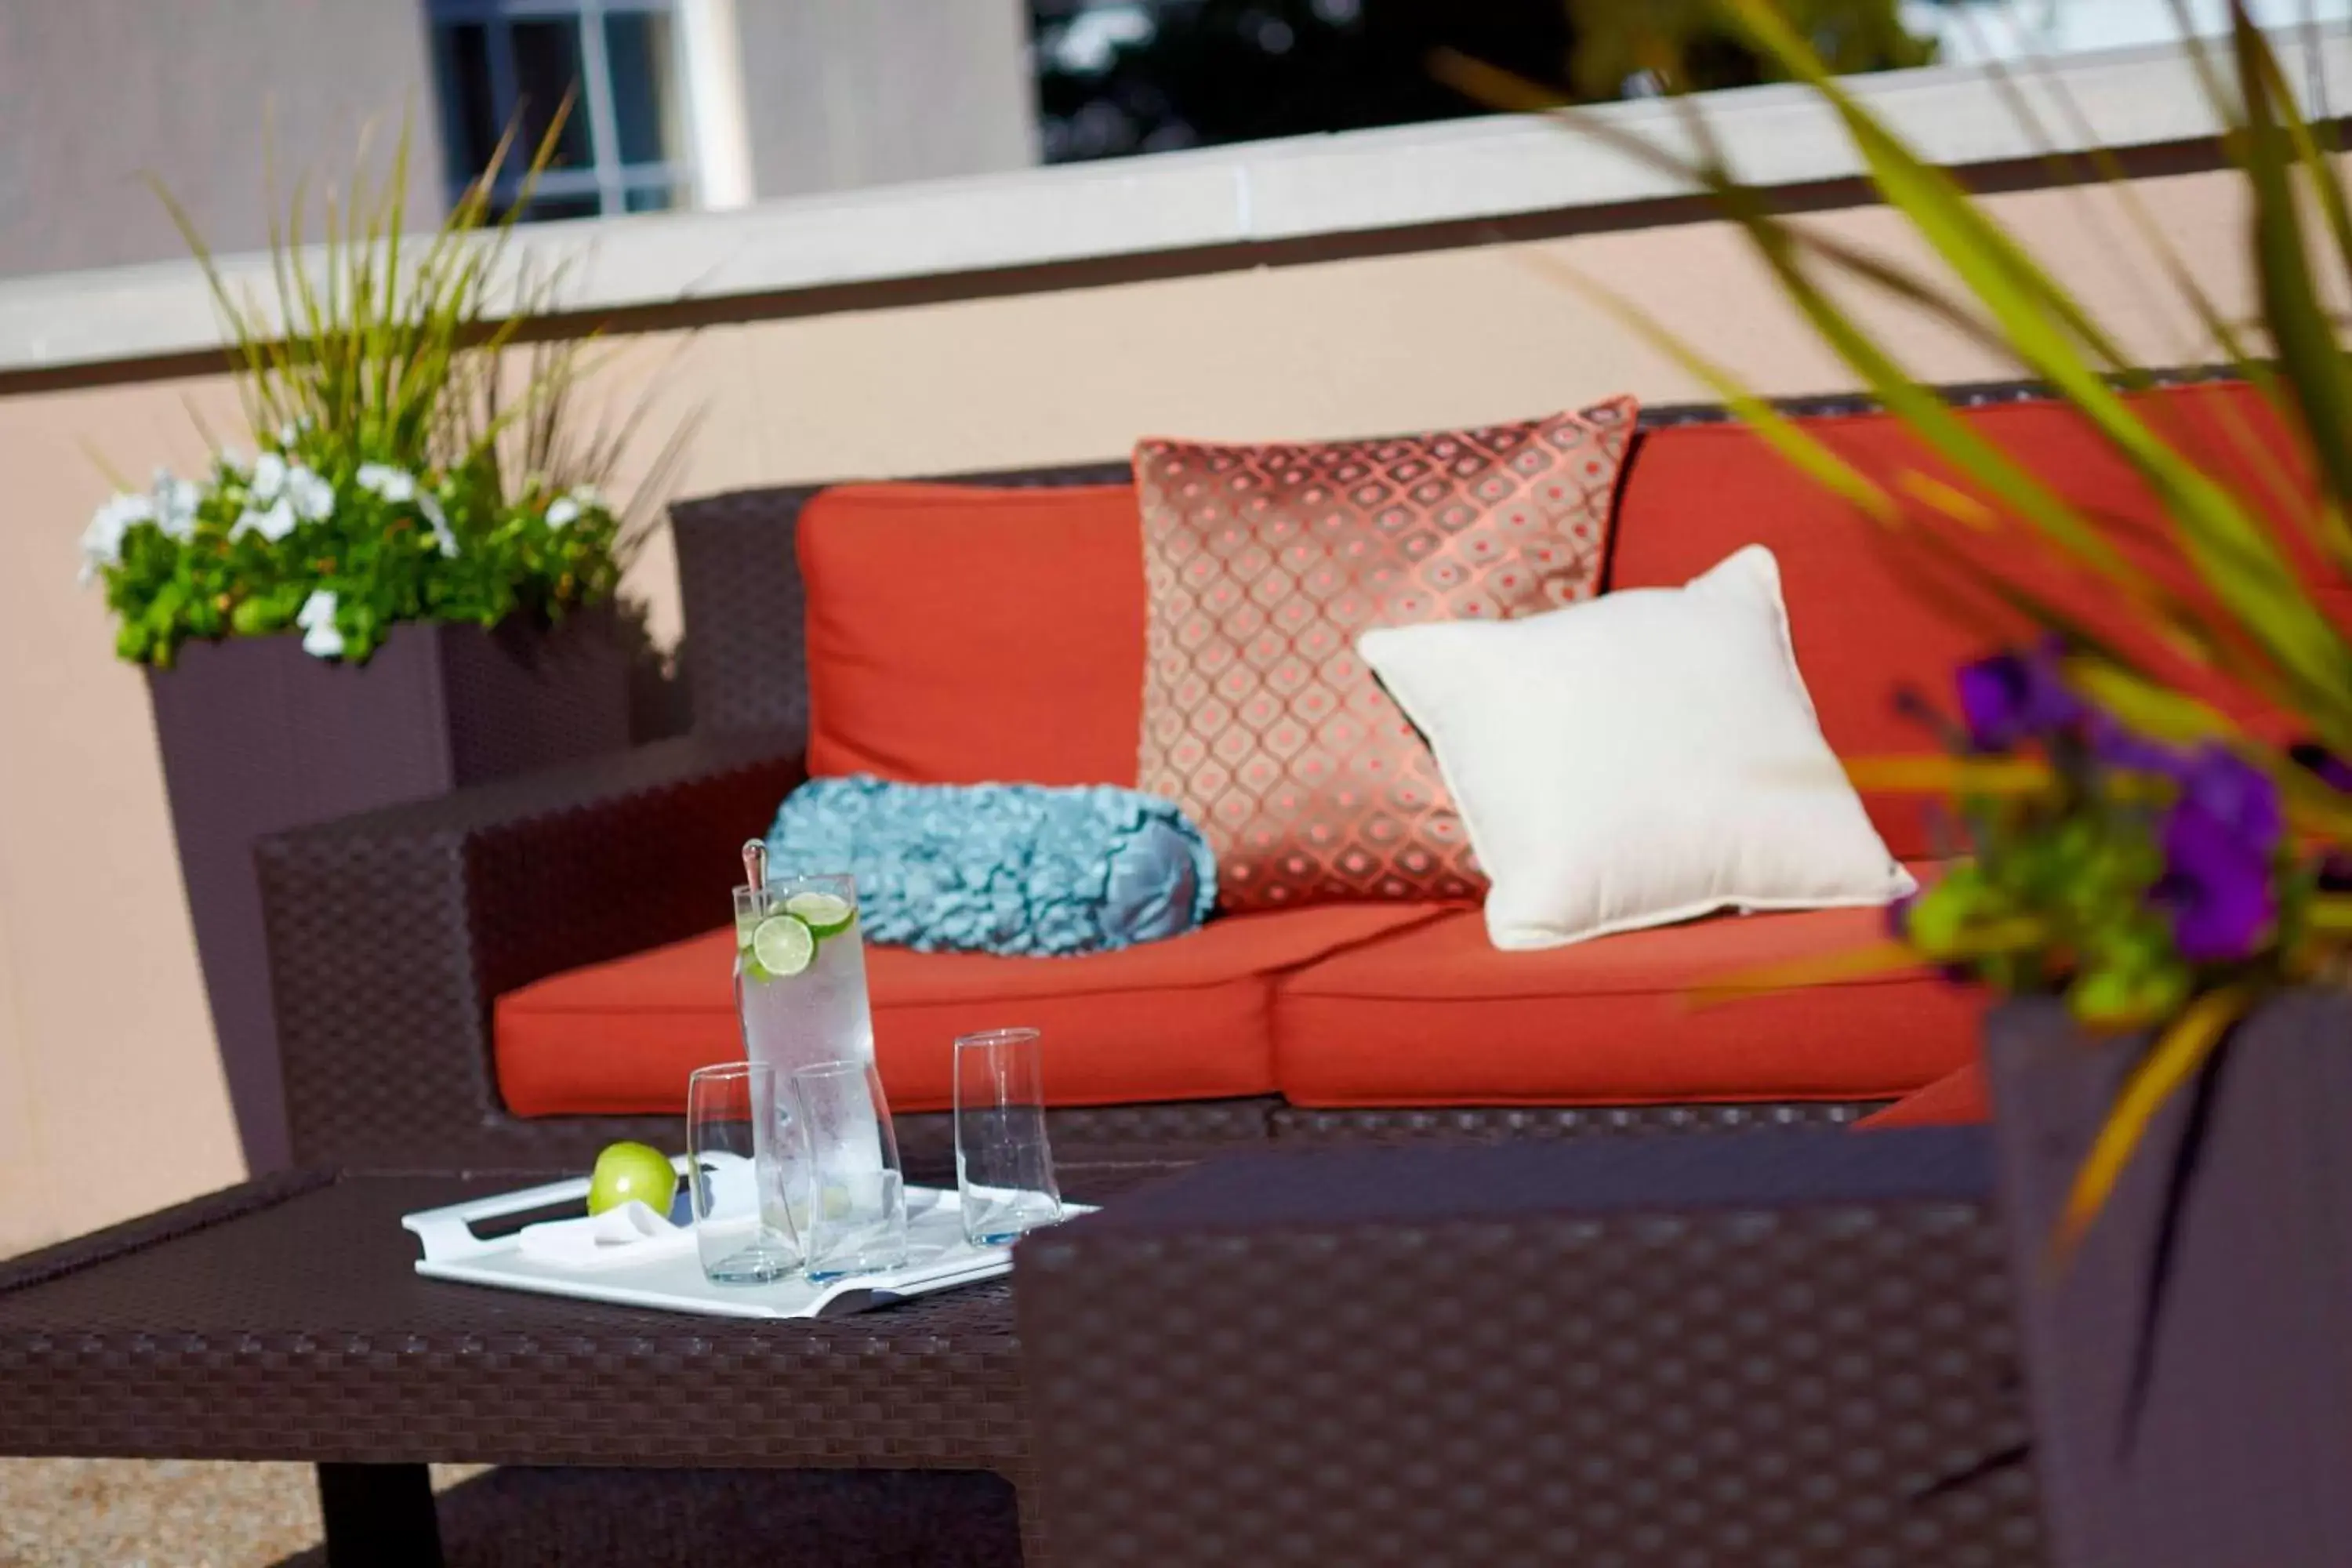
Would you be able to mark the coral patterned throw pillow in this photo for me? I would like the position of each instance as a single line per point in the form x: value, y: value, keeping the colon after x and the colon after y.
x: 1263, y: 565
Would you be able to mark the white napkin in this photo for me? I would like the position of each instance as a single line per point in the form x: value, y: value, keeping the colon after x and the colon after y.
x: 630, y: 1234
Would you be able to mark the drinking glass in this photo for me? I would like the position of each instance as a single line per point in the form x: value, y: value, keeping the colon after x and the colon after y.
x: 803, y: 1005
x: 1004, y: 1167
x: 741, y: 1227
x: 856, y: 1195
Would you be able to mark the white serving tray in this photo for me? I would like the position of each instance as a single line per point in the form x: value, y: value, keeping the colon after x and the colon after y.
x: 937, y: 1258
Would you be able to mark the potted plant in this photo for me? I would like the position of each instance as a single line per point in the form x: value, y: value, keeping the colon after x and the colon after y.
x: 2154, y: 814
x: 405, y: 587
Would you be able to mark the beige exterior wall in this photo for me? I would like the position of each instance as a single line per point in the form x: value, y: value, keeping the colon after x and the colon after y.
x: 104, y: 1044
x: 110, y: 1099
x: 839, y: 94
x: 96, y: 93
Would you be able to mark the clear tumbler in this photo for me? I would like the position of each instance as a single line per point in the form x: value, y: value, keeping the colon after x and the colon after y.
x: 741, y: 1227
x: 855, y: 1194
x: 1004, y: 1166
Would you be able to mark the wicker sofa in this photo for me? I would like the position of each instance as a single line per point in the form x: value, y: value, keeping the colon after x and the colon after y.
x: 393, y: 1061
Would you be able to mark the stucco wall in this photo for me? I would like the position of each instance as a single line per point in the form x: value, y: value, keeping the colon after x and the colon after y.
x: 843, y: 94
x: 104, y: 1043
x: 96, y: 93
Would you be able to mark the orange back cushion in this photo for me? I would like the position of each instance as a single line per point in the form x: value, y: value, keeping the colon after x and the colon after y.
x: 968, y: 634
x: 1870, y: 615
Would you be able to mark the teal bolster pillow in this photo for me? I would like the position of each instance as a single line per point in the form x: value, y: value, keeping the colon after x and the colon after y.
x: 1009, y: 869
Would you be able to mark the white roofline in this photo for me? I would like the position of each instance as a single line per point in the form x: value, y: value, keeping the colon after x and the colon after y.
x: 1351, y: 183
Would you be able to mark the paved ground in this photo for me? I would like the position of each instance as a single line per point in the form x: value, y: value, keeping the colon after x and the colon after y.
x: 167, y: 1513
x: 122, y: 1513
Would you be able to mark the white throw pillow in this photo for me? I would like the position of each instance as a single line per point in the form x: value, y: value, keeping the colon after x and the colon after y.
x: 1646, y: 757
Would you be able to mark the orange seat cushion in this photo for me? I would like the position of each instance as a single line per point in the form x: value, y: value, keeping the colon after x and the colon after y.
x: 965, y: 635
x: 1438, y: 1016
x: 1870, y: 614
x: 1956, y: 1098
x: 1187, y: 1018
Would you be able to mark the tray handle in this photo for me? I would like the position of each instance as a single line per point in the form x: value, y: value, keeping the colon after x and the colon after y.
x: 447, y: 1232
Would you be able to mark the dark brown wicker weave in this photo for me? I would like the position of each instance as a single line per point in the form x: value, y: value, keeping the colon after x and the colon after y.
x: 282, y: 1320
x: 1787, y: 1350
x: 1774, y: 1348
x: 455, y: 900
x: 388, y: 1063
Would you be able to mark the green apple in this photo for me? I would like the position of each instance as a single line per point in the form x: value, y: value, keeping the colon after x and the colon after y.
x: 628, y: 1172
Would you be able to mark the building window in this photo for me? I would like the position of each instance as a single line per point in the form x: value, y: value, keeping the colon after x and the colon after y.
x: 1117, y: 78
x: 624, y: 146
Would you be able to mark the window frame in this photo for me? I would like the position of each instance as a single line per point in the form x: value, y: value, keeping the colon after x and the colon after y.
x: 607, y: 177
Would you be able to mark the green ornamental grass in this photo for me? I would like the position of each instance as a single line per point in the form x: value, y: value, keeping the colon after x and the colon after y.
x: 2160, y: 864
x: 415, y: 460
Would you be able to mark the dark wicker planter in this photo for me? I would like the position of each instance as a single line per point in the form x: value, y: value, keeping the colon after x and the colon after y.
x: 257, y: 737
x: 2228, y: 1439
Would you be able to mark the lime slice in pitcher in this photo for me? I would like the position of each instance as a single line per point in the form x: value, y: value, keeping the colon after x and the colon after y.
x: 828, y: 913
x: 783, y: 945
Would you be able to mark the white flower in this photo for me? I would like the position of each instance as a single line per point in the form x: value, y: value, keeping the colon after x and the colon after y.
x: 442, y: 536
x: 374, y: 477
x: 282, y: 497
x: 268, y: 478
x: 398, y: 486
x: 176, y: 501
x: 232, y: 458
x: 317, y: 619
x: 273, y: 523
x: 571, y: 504
x: 313, y: 497
x: 102, y: 542
x: 382, y: 478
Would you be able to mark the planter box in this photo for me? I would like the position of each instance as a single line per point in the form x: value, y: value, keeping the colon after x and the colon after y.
x: 2240, y: 1449
x: 257, y: 737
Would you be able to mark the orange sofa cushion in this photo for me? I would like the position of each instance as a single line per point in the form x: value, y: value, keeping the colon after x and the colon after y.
x: 1870, y: 617
x: 1187, y: 1018
x: 1437, y: 1015
x: 1956, y: 1098
x: 966, y: 635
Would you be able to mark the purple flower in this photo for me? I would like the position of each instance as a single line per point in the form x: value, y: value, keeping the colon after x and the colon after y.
x: 2118, y: 747
x: 2238, y: 794
x: 2217, y: 891
x: 2220, y: 843
x: 2014, y: 697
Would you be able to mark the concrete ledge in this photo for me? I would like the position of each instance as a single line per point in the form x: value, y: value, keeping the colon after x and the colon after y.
x: 1216, y: 200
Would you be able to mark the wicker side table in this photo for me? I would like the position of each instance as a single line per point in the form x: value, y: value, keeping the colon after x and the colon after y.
x: 1769, y: 1349
x: 283, y: 1319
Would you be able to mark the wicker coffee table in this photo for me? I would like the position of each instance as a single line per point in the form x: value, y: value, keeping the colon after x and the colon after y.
x: 283, y: 1319
x: 1768, y: 1350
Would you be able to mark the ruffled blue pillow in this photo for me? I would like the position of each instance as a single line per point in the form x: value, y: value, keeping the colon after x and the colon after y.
x: 1011, y: 868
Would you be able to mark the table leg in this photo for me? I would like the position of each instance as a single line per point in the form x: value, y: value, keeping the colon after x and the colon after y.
x: 379, y: 1516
